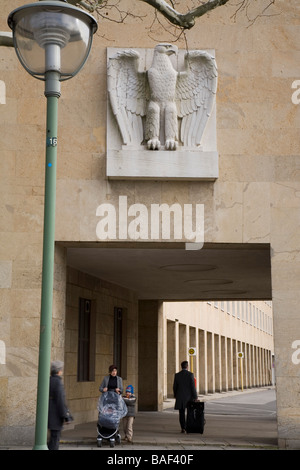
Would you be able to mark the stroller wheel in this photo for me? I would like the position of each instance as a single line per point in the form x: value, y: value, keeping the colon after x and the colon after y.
x: 118, y: 438
x: 99, y: 442
x: 112, y: 443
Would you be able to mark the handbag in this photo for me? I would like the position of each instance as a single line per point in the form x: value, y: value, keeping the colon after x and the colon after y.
x: 68, y: 418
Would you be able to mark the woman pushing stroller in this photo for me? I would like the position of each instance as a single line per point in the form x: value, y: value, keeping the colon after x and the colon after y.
x: 112, y: 381
x: 111, y: 407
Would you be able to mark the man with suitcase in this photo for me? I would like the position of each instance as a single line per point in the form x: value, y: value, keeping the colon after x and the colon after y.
x: 184, y: 391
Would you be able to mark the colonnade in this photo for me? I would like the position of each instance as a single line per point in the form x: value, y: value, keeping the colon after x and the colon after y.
x: 221, y: 363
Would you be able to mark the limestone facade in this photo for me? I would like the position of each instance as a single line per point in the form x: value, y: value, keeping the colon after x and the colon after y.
x: 254, y: 202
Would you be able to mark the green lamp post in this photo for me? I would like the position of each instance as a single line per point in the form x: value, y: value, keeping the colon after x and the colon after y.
x: 52, y: 40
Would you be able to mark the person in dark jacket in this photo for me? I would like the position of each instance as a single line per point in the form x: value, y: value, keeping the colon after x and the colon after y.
x: 184, y: 391
x: 112, y: 381
x: 58, y: 410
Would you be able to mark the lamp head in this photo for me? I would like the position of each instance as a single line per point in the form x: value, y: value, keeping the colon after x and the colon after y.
x: 52, y: 36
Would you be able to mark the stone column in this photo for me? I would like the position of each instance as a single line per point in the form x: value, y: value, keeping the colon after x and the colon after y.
x: 182, y: 344
x: 210, y: 363
x: 165, y: 357
x: 193, y: 359
x: 235, y: 365
x: 218, y: 385
x: 246, y: 361
x: 249, y: 365
x: 202, y: 362
x: 150, y: 354
x: 260, y: 372
x: 171, y: 357
x: 245, y: 368
x: 197, y: 360
x: 255, y: 366
x: 224, y: 369
x: 176, y: 352
x: 264, y: 367
x: 230, y: 364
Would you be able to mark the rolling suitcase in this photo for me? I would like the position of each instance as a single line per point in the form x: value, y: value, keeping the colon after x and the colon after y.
x: 195, y: 417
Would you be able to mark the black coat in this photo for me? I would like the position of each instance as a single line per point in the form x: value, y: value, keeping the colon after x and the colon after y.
x: 184, y: 388
x: 57, y: 404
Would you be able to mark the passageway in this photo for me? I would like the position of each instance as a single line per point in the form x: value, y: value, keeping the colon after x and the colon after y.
x: 167, y: 271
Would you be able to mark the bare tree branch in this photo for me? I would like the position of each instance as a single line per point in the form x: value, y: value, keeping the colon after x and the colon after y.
x: 244, y: 5
x: 167, y: 9
x: 107, y: 9
x: 187, y: 20
x: 111, y: 10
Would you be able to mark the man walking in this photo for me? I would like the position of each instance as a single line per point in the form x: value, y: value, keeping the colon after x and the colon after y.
x: 184, y: 391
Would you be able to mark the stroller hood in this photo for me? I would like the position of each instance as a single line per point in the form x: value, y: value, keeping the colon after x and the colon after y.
x: 112, y: 409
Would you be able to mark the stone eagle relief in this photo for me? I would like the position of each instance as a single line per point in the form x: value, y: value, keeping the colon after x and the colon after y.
x: 162, y: 108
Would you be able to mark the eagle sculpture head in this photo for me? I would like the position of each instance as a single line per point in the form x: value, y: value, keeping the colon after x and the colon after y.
x: 165, y: 48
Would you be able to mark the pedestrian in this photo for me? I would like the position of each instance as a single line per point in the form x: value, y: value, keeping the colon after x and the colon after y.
x: 130, y: 401
x: 112, y: 381
x: 58, y: 412
x: 184, y: 391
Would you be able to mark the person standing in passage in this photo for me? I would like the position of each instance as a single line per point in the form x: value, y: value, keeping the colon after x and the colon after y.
x: 58, y: 410
x: 184, y: 391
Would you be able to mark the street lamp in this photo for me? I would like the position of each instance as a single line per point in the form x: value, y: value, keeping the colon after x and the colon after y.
x: 52, y: 40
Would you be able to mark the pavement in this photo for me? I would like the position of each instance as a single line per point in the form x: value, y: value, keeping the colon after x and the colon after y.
x: 234, y: 421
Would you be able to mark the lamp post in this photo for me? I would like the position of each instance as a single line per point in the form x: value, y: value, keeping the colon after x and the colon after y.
x: 52, y: 40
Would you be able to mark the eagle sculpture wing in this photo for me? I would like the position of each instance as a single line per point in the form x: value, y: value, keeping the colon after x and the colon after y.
x: 195, y: 94
x: 127, y: 89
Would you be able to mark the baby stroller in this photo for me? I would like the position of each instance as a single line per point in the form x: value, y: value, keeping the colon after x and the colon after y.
x: 112, y: 409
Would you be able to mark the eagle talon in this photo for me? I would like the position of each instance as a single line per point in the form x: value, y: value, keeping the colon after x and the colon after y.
x: 171, y: 144
x: 153, y: 144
